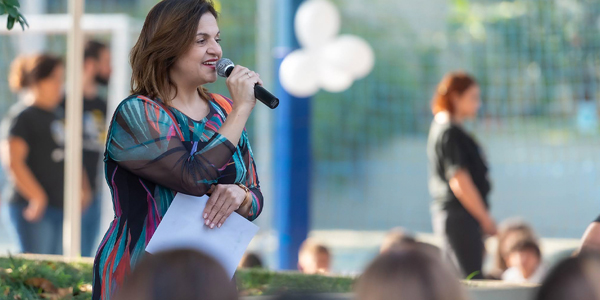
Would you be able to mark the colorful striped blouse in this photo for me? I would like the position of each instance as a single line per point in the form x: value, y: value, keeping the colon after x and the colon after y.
x: 153, y: 152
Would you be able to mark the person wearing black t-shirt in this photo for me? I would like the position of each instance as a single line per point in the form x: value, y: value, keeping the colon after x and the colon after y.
x: 33, y: 154
x: 458, y: 180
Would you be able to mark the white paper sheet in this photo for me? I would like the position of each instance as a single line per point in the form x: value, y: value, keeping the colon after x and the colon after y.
x: 183, y: 227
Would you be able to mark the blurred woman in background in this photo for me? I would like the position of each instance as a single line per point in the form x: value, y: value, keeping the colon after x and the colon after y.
x: 33, y: 154
x: 458, y: 179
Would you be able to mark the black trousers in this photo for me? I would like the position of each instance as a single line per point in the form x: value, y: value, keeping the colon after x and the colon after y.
x: 462, y: 236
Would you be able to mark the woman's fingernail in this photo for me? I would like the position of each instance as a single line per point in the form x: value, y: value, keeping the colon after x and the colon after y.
x: 212, y: 226
x: 206, y: 222
x: 205, y: 215
x: 219, y: 225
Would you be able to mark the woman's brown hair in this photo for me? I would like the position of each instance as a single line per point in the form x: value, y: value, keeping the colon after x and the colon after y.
x: 455, y: 83
x: 409, y: 274
x: 169, y: 31
x: 28, y: 70
x: 178, y: 274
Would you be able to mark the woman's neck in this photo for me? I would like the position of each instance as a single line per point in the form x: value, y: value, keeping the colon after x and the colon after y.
x: 39, y: 101
x: 90, y: 87
x: 191, y: 103
x: 458, y: 119
x: 445, y: 117
x: 186, y: 97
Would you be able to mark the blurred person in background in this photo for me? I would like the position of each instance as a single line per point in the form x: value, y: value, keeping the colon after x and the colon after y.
x: 314, y: 258
x: 96, y: 74
x: 458, y: 171
x: 180, y: 275
x: 575, y: 278
x: 507, y: 229
x: 410, y: 274
x: 524, y: 260
x: 591, y: 238
x: 396, y: 239
x: 173, y: 136
x: 250, y: 260
x: 32, y: 151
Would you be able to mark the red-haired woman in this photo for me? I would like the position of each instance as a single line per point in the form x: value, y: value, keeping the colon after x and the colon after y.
x: 458, y: 180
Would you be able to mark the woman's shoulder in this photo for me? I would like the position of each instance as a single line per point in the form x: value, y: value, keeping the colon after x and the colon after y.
x: 22, y: 112
x: 138, y: 107
x: 18, y: 109
x: 443, y: 128
x: 139, y: 99
x: 451, y: 133
x: 141, y: 103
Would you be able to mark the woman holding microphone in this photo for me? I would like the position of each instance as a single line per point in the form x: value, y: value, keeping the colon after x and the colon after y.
x: 458, y: 180
x: 172, y: 136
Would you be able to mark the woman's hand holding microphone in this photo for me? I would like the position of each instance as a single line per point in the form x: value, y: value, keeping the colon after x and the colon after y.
x: 241, y: 84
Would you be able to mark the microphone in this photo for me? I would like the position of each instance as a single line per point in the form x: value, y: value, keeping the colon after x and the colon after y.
x: 224, y: 68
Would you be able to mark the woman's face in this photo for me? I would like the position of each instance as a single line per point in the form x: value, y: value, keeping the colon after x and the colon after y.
x: 51, y: 88
x: 467, y: 104
x: 198, y: 65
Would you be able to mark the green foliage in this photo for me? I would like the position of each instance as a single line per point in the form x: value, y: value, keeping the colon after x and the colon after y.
x: 16, y: 275
x: 472, y: 275
x: 546, y: 43
x: 11, y: 7
x: 260, y: 282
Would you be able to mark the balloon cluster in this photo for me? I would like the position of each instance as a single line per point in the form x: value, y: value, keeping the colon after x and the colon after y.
x: 325, y: 60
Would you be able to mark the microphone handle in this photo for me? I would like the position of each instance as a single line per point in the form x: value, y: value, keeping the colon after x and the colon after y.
x: 265, y: 97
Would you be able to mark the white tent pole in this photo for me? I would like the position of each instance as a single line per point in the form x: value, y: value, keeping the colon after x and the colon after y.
x: 262, y: 141
x: 73, y: 143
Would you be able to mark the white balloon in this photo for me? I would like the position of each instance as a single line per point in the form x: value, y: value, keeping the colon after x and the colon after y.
x: 333, y: 79
x: 350, y: 53
x: 298, y: 74
x: 316, y: 23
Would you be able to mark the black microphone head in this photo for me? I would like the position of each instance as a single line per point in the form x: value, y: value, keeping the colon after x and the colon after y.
x: 223, y: 67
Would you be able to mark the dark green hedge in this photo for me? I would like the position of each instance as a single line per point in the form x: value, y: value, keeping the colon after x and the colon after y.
x: 24, y: 279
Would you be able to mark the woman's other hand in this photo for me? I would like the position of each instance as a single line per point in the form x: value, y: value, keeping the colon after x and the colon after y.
x: 224, y: 200
x: 36, y: 208
x: 489, y: 227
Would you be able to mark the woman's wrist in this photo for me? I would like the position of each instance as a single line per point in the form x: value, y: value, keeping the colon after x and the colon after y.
x: 39, y: 198
x: 242, y: 109
x: 247, y: 202
x: 485, y: 219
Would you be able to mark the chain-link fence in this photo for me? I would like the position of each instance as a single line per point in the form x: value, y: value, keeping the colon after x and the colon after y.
x: 537, y: 62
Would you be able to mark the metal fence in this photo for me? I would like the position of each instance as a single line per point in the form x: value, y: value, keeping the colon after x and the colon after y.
x: 537, y: 62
